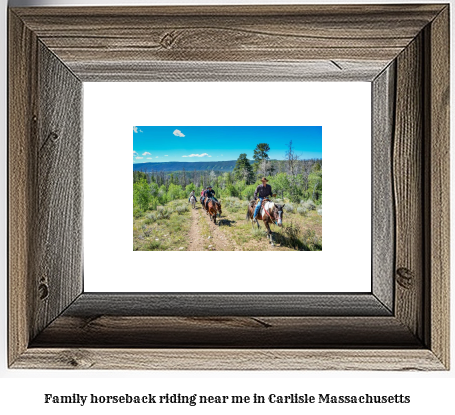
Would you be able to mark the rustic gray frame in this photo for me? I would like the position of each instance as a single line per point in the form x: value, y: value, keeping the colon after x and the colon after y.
x: 403, y: 50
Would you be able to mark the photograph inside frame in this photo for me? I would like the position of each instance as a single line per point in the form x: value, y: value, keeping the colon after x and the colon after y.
x: 227, y: 188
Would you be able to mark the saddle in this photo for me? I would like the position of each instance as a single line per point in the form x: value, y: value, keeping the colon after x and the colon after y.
x: 253, y: 202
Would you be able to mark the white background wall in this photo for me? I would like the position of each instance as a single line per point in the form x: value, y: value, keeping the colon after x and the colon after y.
x: 22, y: 391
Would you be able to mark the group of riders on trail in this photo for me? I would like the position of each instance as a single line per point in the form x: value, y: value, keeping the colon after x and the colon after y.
x: 263, y: 191
x: 206, y: 194
x: 261, y: 208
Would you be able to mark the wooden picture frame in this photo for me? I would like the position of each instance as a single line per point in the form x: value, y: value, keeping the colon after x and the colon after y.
x: 403, y: 324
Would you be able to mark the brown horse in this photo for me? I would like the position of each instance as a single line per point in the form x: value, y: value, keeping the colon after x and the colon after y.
x: 270, y: 212
x: 213, y: 208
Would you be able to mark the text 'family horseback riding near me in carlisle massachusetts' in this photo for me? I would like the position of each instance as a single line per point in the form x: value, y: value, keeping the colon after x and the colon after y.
x: 227, y: 188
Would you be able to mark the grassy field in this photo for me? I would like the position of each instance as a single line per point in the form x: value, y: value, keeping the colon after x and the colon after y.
x: 164, y: 229
x: 168, y: 228
x: 299, y: 231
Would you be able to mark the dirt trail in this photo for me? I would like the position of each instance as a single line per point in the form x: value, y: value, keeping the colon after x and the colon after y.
x: 204, y: 235
x: 194, y: 235
x: 218, y: 239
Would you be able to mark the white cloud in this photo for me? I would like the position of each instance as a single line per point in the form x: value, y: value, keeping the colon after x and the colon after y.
x: 198, y: 155
x: 139, y: 158
x: 135, y: 129
x: 149, y: 158
x: 178, y: 133
x: 146, y: 154
x: 134, y: 153
x: 156, y: 157
x: 166, y: 155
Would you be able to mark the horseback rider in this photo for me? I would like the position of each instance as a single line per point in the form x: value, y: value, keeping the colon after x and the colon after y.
x: 203, y: 195
x: 192, y: 194
x: 262, y: 191
x: 210, y: 194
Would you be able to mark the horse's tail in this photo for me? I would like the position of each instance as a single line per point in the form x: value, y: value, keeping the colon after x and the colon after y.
x: 247, y: 217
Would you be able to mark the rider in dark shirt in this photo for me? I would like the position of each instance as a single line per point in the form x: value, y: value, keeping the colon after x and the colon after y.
x: 210, y: 194
x: 262, y: 191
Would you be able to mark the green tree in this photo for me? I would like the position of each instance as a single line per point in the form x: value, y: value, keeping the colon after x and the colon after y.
x: 261, y: 152
x: 231, y: 191
x: 316, y: 166
x: 174, y: 192
x: 162, y: 194
x: 138, y: 175
x: 315, y: 186
x: 154, y: 189
x: 141, y: 194
x: 260, y: 155
x: 248, y: 191
x: 189, y: 188
x: 243, y: 169
x: 280, y: 183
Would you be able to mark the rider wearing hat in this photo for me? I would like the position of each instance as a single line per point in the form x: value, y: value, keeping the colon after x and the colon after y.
x: 262, y: 191
x: 210, y: 194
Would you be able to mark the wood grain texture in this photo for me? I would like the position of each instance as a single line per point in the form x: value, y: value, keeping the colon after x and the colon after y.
x: 235, y: 359
x: 58, y: 216
x: 383, y: 215
x: 256, y: 332
x: 228, y: 34
x: 439, y: 190
x: 22, y: 95
x: 308, y: 71
x: 407, y: 176
x: 248, y: 43
x: 233, y: 304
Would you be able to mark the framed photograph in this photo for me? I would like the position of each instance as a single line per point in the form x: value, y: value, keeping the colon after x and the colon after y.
x: 231, y: 80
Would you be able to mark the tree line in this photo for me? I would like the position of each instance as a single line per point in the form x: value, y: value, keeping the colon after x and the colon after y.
x: 293, y: 178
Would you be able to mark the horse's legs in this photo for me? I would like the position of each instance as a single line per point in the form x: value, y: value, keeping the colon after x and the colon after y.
x: 269, y: 233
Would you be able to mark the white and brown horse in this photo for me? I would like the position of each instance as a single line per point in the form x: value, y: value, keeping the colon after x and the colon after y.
x: 269, y: 213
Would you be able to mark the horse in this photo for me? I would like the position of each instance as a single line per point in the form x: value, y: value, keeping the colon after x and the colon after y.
x: 193, y: 201
x: 270, y: 212
x: 213, y: 208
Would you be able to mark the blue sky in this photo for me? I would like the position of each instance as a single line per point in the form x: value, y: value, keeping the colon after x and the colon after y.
x: 179, y: 143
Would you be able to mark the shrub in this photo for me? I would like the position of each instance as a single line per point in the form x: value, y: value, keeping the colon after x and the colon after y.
x: 319, y: 211
x: 302, y: 210
x: 150, y: 218
x: 164, y: 213
x: 146, y: 231
x: 137, y: 212
x: 289, y: 207
x: 308, y: 204
x: 153, y: 246
x: 311, y: 241
x: 259, y: 233
x: 292, y: 233
x: 181, y: 209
